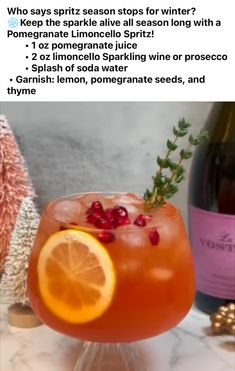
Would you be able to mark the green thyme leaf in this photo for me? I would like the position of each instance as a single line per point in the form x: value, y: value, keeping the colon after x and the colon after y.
x: 172, y: 165
x: 171, y: 146
x: 185, y: 154
x: 203, y: 136
x: 193, y: 141
x: 162, y: 162
x: 171, y: 172
x: 175, y: 131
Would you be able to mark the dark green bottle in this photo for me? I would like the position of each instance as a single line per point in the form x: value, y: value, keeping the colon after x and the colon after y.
x: 212, y: 210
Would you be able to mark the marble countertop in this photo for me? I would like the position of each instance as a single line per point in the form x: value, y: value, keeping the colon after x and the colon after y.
x: 188, y: 347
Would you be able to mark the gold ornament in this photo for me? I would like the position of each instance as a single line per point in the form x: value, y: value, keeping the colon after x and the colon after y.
x: 217, y: 327
x: 228, y: 323
x: 232, y: 316
x: 231, y: 307
x: 224, y: 320
x: 223, y: 309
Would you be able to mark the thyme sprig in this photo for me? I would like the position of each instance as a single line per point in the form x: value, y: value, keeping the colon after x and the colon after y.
x: 171, y: 172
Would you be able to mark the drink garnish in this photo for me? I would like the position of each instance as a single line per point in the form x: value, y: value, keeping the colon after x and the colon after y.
x: 76, y: 276
x: 154, y: 236
x: 96, y: 206
x: 106, y: 237
x: 140, y: 221
x: 165, y: 184
x: 170, y: 169
x: 110, y: 218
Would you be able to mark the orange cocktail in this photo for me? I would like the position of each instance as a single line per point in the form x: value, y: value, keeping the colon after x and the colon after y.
x: 104, y: 269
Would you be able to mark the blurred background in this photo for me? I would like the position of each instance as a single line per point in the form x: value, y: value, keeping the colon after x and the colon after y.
x: 74, y: 147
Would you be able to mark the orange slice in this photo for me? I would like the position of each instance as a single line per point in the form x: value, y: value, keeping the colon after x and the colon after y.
x: 76, y: 276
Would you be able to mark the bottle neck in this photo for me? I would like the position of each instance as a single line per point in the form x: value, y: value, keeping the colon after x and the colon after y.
x: 221, y: 123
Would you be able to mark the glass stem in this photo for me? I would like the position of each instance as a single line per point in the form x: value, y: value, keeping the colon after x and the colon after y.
x: 108, y: 357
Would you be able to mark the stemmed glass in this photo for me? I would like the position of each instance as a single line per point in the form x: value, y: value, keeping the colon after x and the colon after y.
x: 151, y: 264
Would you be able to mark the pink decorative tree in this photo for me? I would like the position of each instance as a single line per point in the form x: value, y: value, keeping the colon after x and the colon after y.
x: 13, y: 284
x: 15, y: 184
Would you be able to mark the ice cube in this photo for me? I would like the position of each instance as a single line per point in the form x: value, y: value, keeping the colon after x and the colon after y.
x: 160, y: 274
x: 133, y: 237
x: 132, y: 202
x: 169, y: 232
x: 129, y: 198
x: 67, y: 211
x: 87, y: 198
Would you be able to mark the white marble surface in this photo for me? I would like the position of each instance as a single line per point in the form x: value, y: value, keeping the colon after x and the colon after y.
x: 189, y: 347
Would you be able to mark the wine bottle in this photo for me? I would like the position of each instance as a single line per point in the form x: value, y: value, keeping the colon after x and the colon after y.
x: 212, y: 210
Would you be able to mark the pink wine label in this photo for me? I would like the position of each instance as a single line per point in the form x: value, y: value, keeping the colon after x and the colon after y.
x: 213, y: 245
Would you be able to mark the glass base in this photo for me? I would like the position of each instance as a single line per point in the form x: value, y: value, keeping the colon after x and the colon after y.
x: 108, y: 357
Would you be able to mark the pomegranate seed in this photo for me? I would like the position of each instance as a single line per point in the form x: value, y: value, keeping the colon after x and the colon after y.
x: 120, y: 212
x: 96, y: 206
x: 140, y: 221
x: 106, y: 237
x: 109, y: 214
x: 94, y: 215
x: 62, y: 228
x: 114, y: 224
x: 91, y: 218
x: 154, y: 237
x: 125, y: 221
x: 103, y: 224
x: 73, y: 223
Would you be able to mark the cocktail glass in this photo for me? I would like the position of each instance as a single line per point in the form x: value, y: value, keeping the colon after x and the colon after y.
x: 155, y: 282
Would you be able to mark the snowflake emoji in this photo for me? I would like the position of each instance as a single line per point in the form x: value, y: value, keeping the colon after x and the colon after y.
x: 13, y: 22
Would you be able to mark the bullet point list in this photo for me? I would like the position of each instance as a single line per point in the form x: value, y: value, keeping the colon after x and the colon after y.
x: 139, y: 51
